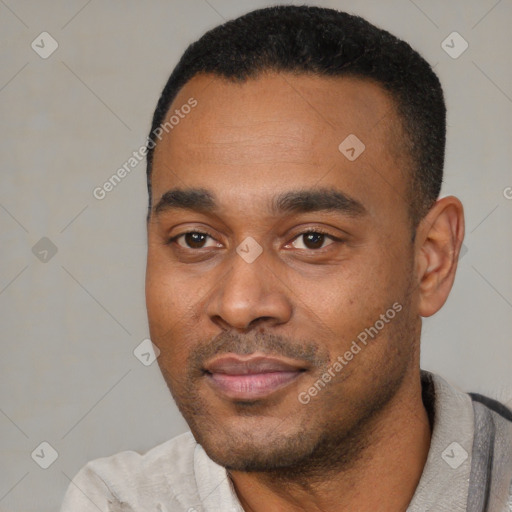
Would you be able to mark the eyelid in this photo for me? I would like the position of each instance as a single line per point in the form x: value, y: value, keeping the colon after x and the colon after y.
x: 174, y: 238
x: 321, y: 231
x: 318, y: 230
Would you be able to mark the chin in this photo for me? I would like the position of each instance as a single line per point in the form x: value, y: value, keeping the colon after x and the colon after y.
x: 246, y: 451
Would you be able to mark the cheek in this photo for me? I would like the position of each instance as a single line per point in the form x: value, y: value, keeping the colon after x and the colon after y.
x: 172, y: 312
x: 352, y: 299
x: 167, y: 328
x: 163, y: 290
x: 159, y: 296
x: 164, y: 299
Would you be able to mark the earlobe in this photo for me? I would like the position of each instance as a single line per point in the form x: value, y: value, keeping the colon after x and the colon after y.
x: 441, y: 233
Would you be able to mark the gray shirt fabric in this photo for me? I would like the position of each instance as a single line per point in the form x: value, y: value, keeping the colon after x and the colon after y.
x: 468, y: 468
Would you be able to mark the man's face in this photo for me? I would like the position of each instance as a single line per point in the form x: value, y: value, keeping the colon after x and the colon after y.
x: 295, y: 246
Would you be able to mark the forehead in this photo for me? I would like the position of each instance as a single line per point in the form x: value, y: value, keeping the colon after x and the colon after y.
x: 278, y: 130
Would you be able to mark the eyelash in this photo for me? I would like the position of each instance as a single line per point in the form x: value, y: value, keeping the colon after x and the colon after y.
x: 305, y: 232
x: 318, y: 231
x: 198, y: 231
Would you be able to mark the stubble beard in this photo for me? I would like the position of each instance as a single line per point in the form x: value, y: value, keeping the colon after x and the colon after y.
x: 311, y: 451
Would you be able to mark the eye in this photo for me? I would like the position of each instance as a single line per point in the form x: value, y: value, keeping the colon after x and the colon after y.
x: 312, y: 240
x: 195, y: 240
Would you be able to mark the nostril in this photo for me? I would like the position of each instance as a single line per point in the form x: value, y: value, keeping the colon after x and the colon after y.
x: 260, y: 320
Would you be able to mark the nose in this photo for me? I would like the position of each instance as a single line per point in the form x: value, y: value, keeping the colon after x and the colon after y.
x: 249, y: 294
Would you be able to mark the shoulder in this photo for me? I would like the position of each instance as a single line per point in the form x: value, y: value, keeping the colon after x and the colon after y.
x: 490, y: 403
x: 492, y: 449
x: 176, y: 454
x: 130, y: 480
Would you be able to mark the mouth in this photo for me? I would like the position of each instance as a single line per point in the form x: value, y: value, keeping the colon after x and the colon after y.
x: 252, y: 377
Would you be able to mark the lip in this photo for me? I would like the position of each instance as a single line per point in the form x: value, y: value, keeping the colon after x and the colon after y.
x: 251, y: 378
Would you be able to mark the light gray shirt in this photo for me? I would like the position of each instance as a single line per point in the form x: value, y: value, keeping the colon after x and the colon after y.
x: 178, y: 476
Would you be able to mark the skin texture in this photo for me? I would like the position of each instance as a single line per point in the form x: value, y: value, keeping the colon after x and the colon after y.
x: 362, y: 441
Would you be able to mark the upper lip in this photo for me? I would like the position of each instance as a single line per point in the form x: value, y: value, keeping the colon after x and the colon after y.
x: 237, y: 365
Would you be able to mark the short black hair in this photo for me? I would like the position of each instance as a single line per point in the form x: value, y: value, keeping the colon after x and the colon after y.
x: 326, y: 42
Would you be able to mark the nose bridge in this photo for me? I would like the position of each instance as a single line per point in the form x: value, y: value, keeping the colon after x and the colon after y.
x: 249, y: 277
x: 249, y: 291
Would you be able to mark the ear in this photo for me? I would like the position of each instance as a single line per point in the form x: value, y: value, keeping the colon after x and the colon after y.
x: 438, y: 241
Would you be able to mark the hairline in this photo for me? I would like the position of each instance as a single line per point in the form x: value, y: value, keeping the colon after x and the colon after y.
x: 405, y: 156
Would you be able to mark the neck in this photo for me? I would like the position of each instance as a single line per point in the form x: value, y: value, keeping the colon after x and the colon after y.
x: 382, y: 476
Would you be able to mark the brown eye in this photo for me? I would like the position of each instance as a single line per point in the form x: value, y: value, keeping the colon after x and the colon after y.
x: 195, y: 240
x: 311, y: 240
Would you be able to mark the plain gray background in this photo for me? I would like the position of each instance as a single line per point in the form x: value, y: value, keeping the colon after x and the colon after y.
x: 71, y: 322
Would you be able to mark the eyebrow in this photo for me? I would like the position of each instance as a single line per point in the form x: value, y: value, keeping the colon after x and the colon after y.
x: 197, y: 199
x: 299, y: 201
x: 324, y: 199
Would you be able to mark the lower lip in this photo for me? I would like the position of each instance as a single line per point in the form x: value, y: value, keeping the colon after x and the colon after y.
x: 251, y: 386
